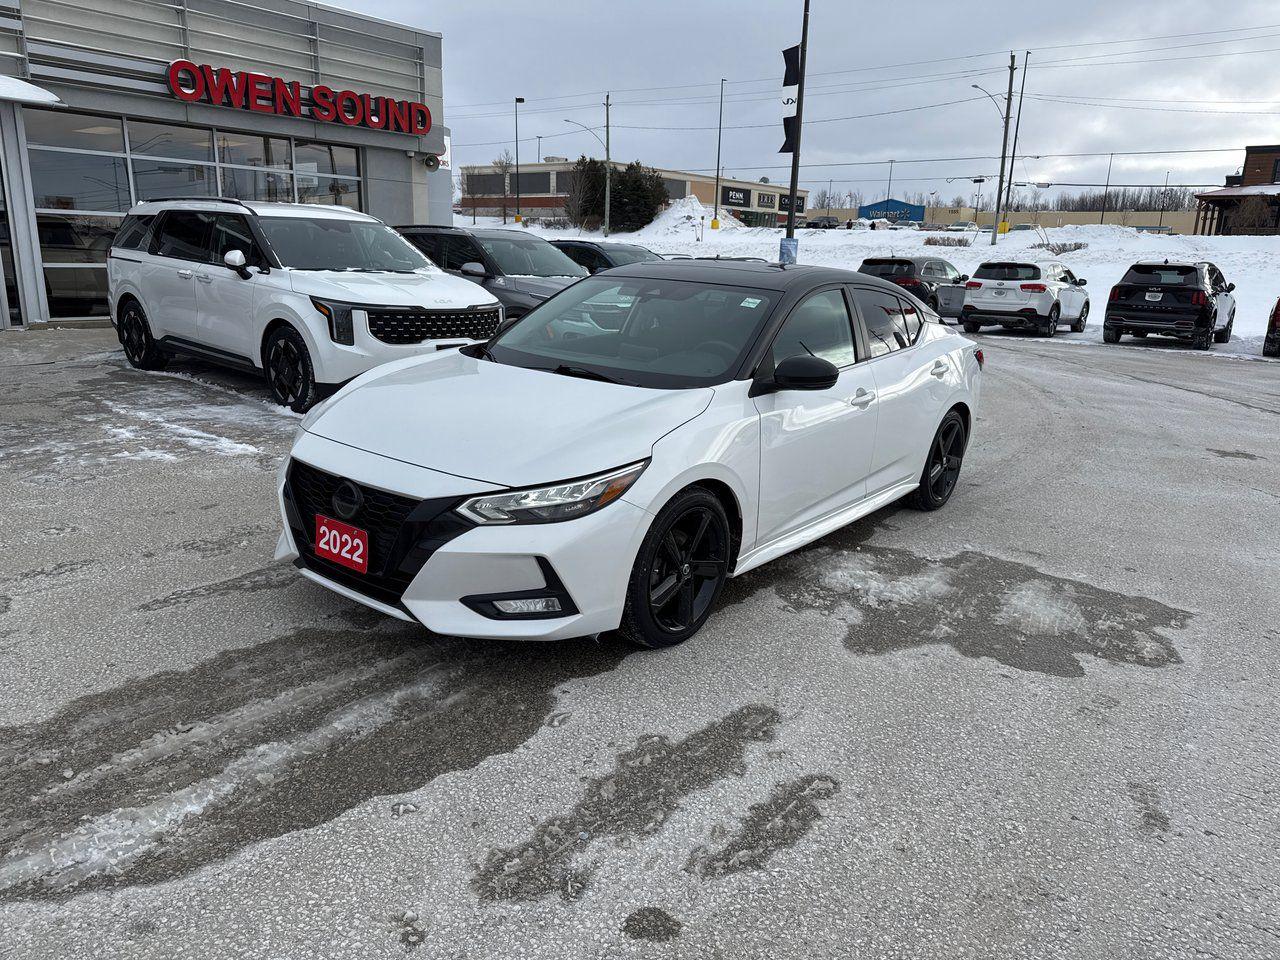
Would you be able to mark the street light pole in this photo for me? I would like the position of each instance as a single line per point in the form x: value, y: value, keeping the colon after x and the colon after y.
x: 1106, y: 190
x: 715, y: 214
x: 608, y: 168
x: 1004, y: 148
x: 1164, y: 197
x: 1013, y: 153
x: 792, y: 199
x: 539, y: 149
x: 888, y: 190
x: 519, y: 100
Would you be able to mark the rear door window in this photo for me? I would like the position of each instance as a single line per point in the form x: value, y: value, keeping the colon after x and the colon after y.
x: 460, y: 249
x: 429, y: 244
x: 185, y: 235
x: 884, y: 320
x: 888, y: 268
x: 1007, y: 271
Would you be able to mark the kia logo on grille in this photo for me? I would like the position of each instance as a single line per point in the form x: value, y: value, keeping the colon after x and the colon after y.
x: 347, y: 500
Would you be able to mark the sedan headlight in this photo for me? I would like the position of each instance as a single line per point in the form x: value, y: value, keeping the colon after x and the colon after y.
x: 561, y: 501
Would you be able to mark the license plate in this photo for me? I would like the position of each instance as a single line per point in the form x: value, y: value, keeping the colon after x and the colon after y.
x: 1155, y: 297
x: 342, y: 543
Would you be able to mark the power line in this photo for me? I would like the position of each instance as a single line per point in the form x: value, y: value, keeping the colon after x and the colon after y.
x: 860, y: 116
x: 1064, y: 101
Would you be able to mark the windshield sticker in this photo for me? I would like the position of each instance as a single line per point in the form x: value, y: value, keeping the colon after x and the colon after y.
x: 752, y: 302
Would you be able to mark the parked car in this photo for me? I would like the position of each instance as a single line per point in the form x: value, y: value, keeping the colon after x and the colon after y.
x: 1025, y: 295
x: 960, y: 226
x: 518, y: 268
x: 1271, y: 342
x: 580, y: 485
x: 824, y: 223
x: 597, y: 255
x: 1190, y: 301
x: 933, y: 280
x: 311, y: 296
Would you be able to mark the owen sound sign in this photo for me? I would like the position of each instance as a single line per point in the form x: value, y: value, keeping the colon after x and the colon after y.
x: 245, y: 90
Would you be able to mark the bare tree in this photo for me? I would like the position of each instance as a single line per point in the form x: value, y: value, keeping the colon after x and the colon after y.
x: 503, y: 165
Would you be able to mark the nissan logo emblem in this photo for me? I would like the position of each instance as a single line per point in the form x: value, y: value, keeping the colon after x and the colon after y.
x: 347, y: 500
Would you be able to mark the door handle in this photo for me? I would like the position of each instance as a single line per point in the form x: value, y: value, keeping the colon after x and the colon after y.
x: 939, y: 369
x: 205, y: 278
x: 862, y: 398
x: 186, y: 274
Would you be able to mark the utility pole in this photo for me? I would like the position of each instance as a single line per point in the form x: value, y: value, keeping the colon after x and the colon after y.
x: 1107, y: 189
x: 608, y: 167
x: 1004, y: 146
x: 519, y: 100
x: 888, y: 191
x: 1164, y: 197
x: 715, y: 216
x: 1013, y: 153
x: 795, y: 156
x: 829, y: 183
x: 539, y: 149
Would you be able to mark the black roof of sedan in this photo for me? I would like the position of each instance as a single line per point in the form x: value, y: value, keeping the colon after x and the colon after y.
x: 766, y: 276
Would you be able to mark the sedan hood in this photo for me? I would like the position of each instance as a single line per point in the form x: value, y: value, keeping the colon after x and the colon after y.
x: 418, y: 289
x: 504, y: 425
x: 541, y: 287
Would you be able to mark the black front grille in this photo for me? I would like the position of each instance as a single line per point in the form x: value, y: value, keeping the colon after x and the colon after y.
x: 403, y: 532
x: 415, y: 326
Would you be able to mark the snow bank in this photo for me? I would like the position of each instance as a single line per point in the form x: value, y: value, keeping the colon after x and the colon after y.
x: 682, y: 219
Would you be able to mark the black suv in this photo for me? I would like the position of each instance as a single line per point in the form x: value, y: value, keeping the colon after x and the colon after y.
x: 597, y: 255
x: 1190, y: 301
x: 933, y: 280
x: 824, y: 223
x: 521, y: 270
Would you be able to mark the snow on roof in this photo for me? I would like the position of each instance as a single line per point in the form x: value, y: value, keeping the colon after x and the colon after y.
x: 19, y: 91
x: 1257, y: 190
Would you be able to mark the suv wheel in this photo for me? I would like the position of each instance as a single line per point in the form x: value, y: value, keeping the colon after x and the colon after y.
x: 1049, y: 325
x: 942, y: 466
x: 287, y: 365
x: 1110, y: 334
x: 972, y: 327
x: 140, y: 348
x: 679, y: 572
x: 1082, y: 321
x: 1224, y: 335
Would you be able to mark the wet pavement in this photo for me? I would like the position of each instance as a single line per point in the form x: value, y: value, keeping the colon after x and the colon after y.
x: 1039, y: 723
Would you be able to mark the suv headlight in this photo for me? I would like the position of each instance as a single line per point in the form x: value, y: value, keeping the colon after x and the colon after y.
x: 341, y: 326
x: 560, y: 501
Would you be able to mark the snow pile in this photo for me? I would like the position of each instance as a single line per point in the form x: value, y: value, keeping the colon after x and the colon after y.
x: 684, y: 218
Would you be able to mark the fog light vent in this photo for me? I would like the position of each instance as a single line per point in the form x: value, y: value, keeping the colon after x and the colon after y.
x: 529, y: 605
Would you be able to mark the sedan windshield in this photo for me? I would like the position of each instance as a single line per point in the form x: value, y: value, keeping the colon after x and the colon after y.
x: 524, y: 256
x: 651, y: 333
x: 324, y: 243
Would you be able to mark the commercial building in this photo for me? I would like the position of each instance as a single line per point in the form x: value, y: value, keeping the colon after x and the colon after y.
x: 545, y: 188
x: 1249, y: 203
x: 104, y: 103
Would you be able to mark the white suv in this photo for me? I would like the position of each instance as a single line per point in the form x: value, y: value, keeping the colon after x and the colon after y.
x: 1025, y: 295
x: 309, y: 295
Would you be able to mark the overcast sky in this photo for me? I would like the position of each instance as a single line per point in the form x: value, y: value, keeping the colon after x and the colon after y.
x: 561, y: 56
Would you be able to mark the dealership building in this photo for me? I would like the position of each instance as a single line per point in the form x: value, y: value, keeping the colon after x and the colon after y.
x: 104, y: 103
x: 545, y: 188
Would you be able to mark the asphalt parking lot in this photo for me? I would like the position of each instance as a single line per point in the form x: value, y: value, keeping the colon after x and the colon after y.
x: 1039, y: 723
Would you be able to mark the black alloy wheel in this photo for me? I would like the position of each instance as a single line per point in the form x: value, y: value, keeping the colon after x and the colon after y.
x: 1049, y: 325
x: 942, y: 466
x: 1224, y: 335
x: 679, y: 572
x: 971, y: 327
x: 1203, y: 339
x: 1081, y: 321
x: 140, y: 348
x: 287, y: 365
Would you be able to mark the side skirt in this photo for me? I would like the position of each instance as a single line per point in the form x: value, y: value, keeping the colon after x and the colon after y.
x: 821, y: 527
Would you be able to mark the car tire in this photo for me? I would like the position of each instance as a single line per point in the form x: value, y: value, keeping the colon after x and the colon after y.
x: 140, y: 348
x: 286, y: 362
x: 1111, y: 335
x: 1224, y: 335
x: 1203, y: 339
x: 972, y: 327
x: 1140, y: 334
x: 679, y: 571
x: 1272, y: 350
x: 1081, y: 321
x: 1049, y: 325
x: 942, y: 464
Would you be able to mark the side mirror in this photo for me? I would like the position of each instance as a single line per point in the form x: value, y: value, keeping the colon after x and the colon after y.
x: 963, y: 278
x: 805, y: 372
x: 234, y: 259
x: 1230, y: 287
x: 1081, y: 281
x: 474, y: 269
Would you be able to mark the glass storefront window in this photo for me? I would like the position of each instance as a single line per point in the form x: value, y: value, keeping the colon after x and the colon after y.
x: 72, y: 238
x: 250, y: 150
x: 153, y: 179
x: 326, y: 158
x: 166, y: 140
x: 336, y: 191
x: 76, y: 291
x: 257, y: 185
x: 78, y: 181
x: 81, y: 131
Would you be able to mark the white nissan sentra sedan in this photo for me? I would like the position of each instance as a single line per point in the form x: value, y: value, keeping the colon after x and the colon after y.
x: 611, y: 458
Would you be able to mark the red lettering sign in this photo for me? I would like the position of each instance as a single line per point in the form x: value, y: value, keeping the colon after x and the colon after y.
x: 200, y: 83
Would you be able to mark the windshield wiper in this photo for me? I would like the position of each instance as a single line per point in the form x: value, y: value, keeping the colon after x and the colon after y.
x: 566, y: 370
